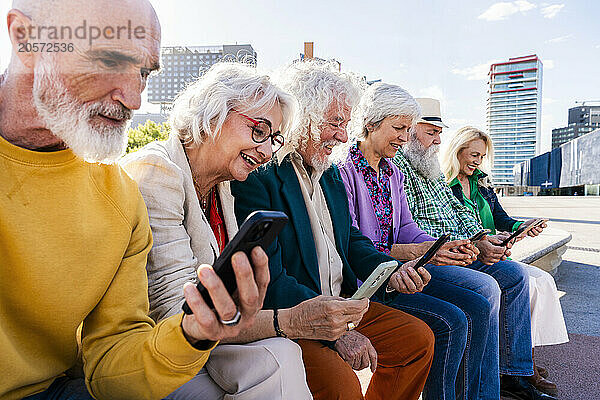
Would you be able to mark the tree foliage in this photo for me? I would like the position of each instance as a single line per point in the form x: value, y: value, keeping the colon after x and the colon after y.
x: 147, y: 133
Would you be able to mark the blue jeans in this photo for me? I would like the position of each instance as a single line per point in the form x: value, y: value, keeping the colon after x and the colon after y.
x: 459, y: 318
x: 64, y: 389
x: 508, y: 348
x: 515, y: 316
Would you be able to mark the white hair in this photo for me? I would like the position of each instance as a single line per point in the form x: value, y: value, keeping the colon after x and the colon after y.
x: 379, y: 101
x: 423, y: 159
x: 460, y: 140
x: 69, y: 119
x: 316, y: 84
x: 201, y: 109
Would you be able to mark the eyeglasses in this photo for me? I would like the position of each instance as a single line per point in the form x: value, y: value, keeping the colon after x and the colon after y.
x: 262, y: 131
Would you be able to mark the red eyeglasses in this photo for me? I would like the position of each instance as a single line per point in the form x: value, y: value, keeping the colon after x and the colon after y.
x: 262, y: 131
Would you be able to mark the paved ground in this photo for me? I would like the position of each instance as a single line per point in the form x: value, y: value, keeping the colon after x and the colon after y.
x: 573, y: 366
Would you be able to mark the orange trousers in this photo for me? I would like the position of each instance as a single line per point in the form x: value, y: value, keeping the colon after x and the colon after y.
x: 404, y: 347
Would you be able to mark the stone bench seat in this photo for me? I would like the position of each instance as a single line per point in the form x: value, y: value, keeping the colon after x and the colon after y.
x: 544, y: 251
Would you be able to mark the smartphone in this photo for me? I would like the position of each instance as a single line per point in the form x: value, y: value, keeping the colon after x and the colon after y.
x: 259, y: 229
x: 377, y: 278
x: 432, y: 250
x: 516, y: 233
x: 540, y: 221
x: 479, y: 235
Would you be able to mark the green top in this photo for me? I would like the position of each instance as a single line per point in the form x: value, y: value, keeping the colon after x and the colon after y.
x: 477, y: 203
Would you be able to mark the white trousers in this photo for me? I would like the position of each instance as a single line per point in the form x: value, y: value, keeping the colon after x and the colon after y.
x: 547, y: 321
x: 267, y: 369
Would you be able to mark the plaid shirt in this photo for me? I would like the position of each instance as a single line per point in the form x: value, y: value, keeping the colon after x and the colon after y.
x: 433, y: 205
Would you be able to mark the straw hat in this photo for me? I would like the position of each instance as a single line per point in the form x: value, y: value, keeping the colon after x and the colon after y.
x: 430, y: 110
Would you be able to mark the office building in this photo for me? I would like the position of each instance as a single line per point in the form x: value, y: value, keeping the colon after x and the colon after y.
x: 568, y: 169
x: 582, y: 119
x: 514, y: 109
x: 182, y: 65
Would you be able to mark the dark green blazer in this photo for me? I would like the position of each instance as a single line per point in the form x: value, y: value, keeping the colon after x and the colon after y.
x: 293, y: 258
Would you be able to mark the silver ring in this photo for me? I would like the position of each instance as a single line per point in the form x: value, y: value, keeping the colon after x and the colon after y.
x: 350, y: 326
x: 234, y: 321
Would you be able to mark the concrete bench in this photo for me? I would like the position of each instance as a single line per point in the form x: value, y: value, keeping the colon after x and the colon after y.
x: 544, y: 251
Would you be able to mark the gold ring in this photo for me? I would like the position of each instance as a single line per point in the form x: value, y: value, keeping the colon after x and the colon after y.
x: 350, y: 326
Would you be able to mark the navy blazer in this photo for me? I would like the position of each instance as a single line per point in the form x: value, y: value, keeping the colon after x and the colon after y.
x: 293, y: 257
x: 502, y: 221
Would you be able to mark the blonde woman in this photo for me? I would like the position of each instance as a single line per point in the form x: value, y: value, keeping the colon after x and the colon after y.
x: 468, y: 153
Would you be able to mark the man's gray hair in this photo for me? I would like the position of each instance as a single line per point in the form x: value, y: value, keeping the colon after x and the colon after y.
x: 382, y: 100
x: 316, y: 84
x: 201, y: 109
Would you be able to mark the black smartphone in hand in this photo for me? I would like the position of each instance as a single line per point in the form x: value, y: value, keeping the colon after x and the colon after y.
x: 479, y: 235
x: 432, y: 250
x: 516, y: 233
x: 259, y: 229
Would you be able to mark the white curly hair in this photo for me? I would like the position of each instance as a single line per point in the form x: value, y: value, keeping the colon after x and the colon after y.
x: 201, y: 109
x: 379, y: 101
x: 316, y: 84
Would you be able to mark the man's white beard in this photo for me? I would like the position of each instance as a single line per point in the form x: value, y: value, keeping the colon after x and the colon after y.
x: 424, y: 160
x: 321, y: 165
x: 69, y: 119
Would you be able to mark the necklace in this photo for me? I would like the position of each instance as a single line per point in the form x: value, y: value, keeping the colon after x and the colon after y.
x: 204, y: 200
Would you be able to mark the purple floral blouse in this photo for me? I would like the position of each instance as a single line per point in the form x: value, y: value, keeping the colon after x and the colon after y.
x: 379, y: 191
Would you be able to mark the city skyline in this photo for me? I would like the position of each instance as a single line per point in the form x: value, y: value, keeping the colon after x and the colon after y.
x: 432, y: 49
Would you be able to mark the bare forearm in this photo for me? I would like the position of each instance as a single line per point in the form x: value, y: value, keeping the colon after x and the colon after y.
x: 261, y: 329
x: 407, y: 252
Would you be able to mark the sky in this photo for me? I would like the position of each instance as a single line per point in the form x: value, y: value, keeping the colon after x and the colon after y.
x: 432, y: 48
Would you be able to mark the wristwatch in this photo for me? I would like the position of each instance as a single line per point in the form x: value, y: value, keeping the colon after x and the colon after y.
x: 278, y: 330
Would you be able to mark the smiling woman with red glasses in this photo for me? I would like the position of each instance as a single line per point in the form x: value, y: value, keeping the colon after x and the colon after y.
x: 224, y: 126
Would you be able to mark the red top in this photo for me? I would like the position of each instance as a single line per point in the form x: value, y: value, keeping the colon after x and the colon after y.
x: 216, y: 220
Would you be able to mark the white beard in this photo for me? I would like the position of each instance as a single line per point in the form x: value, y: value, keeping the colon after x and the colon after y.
x: 424, y: 160
x: 321, y: 165
x: 69, y: 119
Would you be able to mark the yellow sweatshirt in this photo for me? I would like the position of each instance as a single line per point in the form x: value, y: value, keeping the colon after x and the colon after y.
x: 73, y: 243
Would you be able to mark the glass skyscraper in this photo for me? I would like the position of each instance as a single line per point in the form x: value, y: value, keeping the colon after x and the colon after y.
x: 514, y: 109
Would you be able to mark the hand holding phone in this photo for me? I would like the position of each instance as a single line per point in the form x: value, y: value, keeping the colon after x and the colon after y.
x: 523, y: 229
x: 537, y: 226
x: 479, y: 235
x: 412, y: 277
x: 377, y: 278
x: 432, y: 250
x: 259, y: 229
x: 205, y: 324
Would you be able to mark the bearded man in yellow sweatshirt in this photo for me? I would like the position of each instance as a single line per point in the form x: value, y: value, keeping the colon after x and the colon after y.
x: 74, y: 230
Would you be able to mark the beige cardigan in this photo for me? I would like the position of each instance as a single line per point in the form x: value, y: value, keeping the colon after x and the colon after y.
x: 183, y: 238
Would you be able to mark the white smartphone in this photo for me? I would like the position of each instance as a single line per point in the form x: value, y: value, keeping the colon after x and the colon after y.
x: 377, y: 278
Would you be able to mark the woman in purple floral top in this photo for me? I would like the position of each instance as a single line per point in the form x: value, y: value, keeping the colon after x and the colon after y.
x: 460, y: 318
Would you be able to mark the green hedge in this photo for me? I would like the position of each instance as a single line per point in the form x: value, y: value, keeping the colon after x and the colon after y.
x: 144, y: 134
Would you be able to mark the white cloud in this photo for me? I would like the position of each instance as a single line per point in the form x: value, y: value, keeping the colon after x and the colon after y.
x: 560, y: 39
x: 475, y: 73
x: 548, y: 64
x: 552, y: 11
x: 503, y: 10
x: 548, y: 100
x: 598, y: 46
